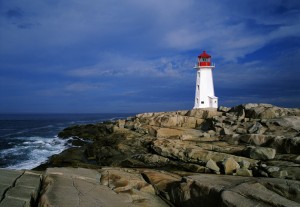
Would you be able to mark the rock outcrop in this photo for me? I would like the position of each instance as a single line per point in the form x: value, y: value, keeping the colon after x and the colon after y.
x: 19, y: 188
x: 188, y: 140
x: 79, y: 187
x: 214, y: 157
x: 222, y: 190
x: 111, y: 186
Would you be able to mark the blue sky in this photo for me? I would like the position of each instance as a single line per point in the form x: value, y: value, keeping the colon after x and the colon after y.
x: 137, y: 56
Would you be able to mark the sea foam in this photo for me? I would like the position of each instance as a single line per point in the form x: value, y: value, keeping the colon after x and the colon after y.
x: 33, y: 151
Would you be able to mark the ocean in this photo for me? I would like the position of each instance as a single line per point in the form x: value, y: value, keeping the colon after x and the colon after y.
x: 27, y: 140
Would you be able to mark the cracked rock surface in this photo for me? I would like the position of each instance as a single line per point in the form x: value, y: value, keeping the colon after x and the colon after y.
x: 79, y: 187
x: 114, y: 186
x: 19, y: 188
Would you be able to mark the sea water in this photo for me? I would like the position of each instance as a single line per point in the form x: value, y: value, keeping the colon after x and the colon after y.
x: 27, y: 140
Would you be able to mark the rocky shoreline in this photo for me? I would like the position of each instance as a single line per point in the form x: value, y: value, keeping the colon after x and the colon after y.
x: 247, y: 155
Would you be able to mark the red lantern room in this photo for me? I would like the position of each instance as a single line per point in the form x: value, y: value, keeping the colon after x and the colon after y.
x: 204, y: 59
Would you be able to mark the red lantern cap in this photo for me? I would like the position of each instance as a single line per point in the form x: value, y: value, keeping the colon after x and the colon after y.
x: 204, y: 55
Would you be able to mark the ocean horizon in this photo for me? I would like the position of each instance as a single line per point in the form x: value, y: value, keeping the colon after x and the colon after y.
x: 29, y: 139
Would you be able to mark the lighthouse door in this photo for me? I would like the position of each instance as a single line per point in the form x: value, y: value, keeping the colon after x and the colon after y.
x: 210, y: 102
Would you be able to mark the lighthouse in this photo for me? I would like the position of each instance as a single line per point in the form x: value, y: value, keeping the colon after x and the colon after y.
x: 205, y: 95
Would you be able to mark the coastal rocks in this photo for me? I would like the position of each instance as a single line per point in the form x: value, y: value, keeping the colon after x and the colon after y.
x: 223, y: 190
x: 114, y: 186
x: 163, y: 183
x: 146, y: 160
x: 187, y: 119
x: 247, y: 155
x: 19, y: 188
x: 292, y: 169
x: 197, y: 140
x: 220, y: 190
x: 256, y: 128
x: 131, y: 183
x: 203, y: 114
x: 260, y: 153
x: 81, y: 187
x: 169, y: 132
x: 212, y: 165
x: 244, y: 172
x: 230, y: 166
x: 191, y: 152
x: 290, y: 145
x: 255, y: 139
x: 171, y: 119
x: 264, y: 111
x: 88, y: 132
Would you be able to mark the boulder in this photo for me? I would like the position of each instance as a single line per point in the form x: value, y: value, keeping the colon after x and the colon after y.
x: 169, y: 132
x: 151, y: 160
x: 226, y: 131
x: 269, y: 113
x: 264, y: 111
x: 289, y: 145
x: 288, y: 122
x: 190, y: 167
x: 260, y: 153
x: 255, y: 139
x: 256, y: 128
x: 238, y: 111
x: 121, y: 123
x: 230, y: 166
x: 223, y: 109
x: 279, y: 174
x: 191, y: 122
x: 168, y: 121
x: 203, y: 113
x: 244, y: 172
x: 244, y: 164
x: 212, y: 165
x: 271, y: 169
x: 241, y: 131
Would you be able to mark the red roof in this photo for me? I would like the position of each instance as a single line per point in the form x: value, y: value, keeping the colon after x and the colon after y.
x: 204, y: 55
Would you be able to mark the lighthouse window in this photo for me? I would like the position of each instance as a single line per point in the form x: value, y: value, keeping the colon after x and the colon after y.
x: 198, y: 87
x: 202, y: 102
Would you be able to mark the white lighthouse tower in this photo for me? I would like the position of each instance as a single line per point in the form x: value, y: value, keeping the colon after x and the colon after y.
x: 205, y: 95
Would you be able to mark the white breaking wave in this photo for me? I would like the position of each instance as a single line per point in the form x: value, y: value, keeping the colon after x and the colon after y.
x: 33, y: 151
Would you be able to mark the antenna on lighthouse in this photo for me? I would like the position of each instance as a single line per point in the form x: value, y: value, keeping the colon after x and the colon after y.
x: 205, y: 94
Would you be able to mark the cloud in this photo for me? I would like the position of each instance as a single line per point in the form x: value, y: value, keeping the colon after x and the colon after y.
x: 258, y: 72
x: 145, y: 50
x: 112, y: 65
x: 235, y: 29
x: 81, y: 87
x: 239, y: 28
x: 14, y: 13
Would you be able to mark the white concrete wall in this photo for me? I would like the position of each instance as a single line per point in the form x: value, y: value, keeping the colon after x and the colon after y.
x: 205, y: 89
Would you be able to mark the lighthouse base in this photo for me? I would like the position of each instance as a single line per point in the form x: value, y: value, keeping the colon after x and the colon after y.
x: 210, y: 102
x: 206, y: 109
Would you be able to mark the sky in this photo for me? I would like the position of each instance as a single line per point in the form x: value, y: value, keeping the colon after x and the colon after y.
x: 97, y: 56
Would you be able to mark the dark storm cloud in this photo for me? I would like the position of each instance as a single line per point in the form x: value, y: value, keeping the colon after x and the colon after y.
x: 14, y: 13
